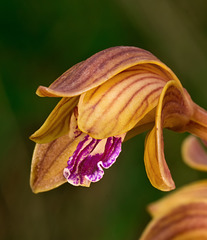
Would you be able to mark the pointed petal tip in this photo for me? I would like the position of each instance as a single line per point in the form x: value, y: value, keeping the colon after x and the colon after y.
x: 168, y: 188
x: 35, y: 137
x: 41, y: 90
x: 32, y: 137
x: 36, y: 188
x: 46, y: 92
x: 161, y: 184
x: 165, y: 186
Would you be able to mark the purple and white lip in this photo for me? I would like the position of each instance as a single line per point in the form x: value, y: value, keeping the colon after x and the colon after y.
x: 90, y: 158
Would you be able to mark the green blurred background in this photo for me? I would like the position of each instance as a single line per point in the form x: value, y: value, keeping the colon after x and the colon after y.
x: 39, y: 40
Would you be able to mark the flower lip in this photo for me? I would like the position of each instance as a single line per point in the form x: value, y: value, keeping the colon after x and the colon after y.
x: 91, y: 156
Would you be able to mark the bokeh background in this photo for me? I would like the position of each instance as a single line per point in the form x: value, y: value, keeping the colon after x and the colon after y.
x: 39, y: 40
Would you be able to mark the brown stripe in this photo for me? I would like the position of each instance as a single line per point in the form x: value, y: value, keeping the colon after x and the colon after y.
x: 150, y: 93
x: 40, y: 165
x: 125, y: 106
x: 134, y: 71
x: 115, y: 85
x: 176, y: 99
x: 123, y: 90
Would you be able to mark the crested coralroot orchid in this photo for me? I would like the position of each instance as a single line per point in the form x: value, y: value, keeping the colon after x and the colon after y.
x: 108, y: 98
x: 182, y: 215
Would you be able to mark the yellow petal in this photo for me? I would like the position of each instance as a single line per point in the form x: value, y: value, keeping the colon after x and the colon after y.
x: 118, y: 105
x: 98, y: 69
x: 193, y: 191
x: 57, y: 124
x: 174, y: 112
x: 155, y: 164
x: 49, y: 161
x: 184, y: 222
x: 194, y: 154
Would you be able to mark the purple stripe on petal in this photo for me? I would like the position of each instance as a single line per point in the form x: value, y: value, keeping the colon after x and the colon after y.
x: 91, y: 156
x: 71, y: 160
x: 112, y: 151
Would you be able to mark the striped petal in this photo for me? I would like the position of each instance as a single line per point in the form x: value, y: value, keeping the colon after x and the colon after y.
x: 193, y: 191
x: 57, y: 124
x: 184, y: 222
x: 118, y: 105
x: 98, y: 69
x: 194, y: 154
x: 155, y: 164
x: 48, y: 162
x: 173, y: 111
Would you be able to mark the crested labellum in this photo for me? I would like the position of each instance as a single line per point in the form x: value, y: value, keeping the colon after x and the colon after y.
x: 110, y: 97
x: 182, y: 215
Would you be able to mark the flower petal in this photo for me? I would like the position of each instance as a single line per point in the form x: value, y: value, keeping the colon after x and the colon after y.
x: 174, y: 112
x: 194, y: 154
x: 186, y: 222
x: 57, y: 124
x: 48, y: 162
x: 193, y: 191
x: 91, y: 156
x: 155, y: 164
x: 98, y: 69
x: 198, y: 123
x: 119, y: 104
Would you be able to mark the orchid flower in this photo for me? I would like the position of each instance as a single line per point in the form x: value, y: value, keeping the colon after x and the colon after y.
x: 107, y: 99
x: 180, y: 215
